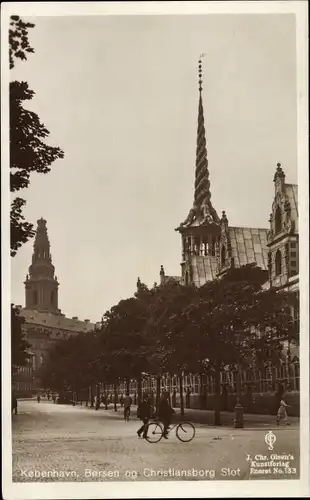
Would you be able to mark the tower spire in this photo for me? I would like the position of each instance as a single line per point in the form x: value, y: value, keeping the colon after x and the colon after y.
x: 202, y: 183
x: 41, y: 284
x: 203, y: 212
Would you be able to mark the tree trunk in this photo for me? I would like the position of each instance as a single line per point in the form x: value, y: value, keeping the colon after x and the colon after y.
x: 203, y: 389
x: 91, y: 396
x: 127, y: 386
x: 157, y: 391
x: 181, y: 395
x: 170, y: 388
x: 217, y: 410
x: 97, y: 396
x: 115, y: 396
x: 139, y: 390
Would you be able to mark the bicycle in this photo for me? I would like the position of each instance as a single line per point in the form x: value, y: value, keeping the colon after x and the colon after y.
x: 127, y: 413
x: 185, y: 431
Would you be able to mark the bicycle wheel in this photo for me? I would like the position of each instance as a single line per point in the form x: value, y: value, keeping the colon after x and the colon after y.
x: 185, y: 432
x: 154, y: 432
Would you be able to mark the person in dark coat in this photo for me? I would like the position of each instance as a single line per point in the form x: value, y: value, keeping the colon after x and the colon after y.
x: 165, y: 412
x: 144, y: 413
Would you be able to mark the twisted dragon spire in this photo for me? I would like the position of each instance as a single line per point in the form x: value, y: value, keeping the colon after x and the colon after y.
x: 203, y: 210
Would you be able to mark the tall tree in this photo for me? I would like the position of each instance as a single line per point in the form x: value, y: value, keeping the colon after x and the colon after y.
x: 28, y: 152
x: 173, y: 348
x: 123, y: 352
x: 69, y: 363
x: 19, y: 345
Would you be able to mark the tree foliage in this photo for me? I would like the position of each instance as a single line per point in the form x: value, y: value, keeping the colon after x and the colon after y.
x: 19, y: 45
x: 19, y: 345
x: 28, y: 151
x: 68, y: 365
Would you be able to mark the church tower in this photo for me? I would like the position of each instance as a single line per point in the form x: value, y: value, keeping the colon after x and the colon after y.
x: 200, y: 231
x: 41, y: 286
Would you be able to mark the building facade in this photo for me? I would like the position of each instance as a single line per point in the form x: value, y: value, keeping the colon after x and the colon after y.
x: 44, y: 324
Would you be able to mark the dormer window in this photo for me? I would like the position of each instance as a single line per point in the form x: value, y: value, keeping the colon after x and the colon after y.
x: 278, y: 263
x: 278, y: 220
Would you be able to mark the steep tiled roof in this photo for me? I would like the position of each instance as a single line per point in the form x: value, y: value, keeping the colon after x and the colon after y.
x: 203, y: 269
x: 249, y: 245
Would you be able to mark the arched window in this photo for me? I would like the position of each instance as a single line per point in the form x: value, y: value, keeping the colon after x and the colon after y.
x: 206, y: 247
x: 278, y: 262
x: 197, y: 246
x: 223, y: 255
x: 278, y: 220
x: 213, y: 247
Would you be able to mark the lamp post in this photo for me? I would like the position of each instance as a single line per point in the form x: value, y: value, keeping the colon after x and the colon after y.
x: 239, y: 410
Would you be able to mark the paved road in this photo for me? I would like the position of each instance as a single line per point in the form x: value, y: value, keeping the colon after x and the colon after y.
x: 64, y: 443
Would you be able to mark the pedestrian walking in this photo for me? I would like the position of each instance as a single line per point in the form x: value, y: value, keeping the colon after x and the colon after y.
x: 282, y: 413
x: 144, y: 413
x: 14, y: 404
x: 127, y: 406
x: 38, y: 398
x: 165, y: 412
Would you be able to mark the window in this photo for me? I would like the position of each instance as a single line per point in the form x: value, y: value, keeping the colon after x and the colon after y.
x: 278, y: 220
x: 35, y: 297
x: 293, y: 263
x: 213, y: 247
x: 223, y: 255
x: 293, y: 254
x: 278, y: 262
x: 293, y: 244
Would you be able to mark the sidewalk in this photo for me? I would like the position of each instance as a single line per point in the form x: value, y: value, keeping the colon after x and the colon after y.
x: 206, y: 417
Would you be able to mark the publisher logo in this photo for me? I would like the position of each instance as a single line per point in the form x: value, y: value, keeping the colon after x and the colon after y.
x: 270, y: 439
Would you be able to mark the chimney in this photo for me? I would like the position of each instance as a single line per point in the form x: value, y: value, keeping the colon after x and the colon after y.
x: 86, y: 320
x: 75, y: 317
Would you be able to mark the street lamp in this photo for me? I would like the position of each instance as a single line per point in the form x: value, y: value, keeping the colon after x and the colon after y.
x: 239, y: 410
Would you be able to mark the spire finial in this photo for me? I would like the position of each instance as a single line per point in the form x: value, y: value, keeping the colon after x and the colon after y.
x: 200, y: 72
x: 279, y: 172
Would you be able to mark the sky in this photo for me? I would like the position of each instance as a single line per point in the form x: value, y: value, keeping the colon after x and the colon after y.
x: 119, y: 94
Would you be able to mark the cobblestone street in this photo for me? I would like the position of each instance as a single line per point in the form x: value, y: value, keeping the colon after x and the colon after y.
x: 65, y: 443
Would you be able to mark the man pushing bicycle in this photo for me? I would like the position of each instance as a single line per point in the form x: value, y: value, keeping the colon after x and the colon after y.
x: 165, y: 412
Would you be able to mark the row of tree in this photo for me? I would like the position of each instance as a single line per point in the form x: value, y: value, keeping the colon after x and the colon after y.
x: 177, y: 329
